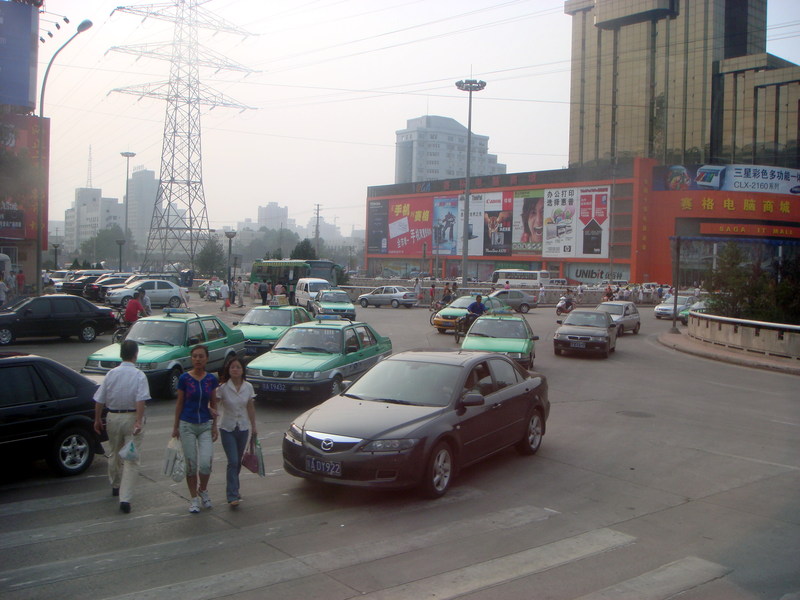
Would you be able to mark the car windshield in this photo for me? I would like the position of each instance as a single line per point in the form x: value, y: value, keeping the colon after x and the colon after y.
x: 158, y: 333
x: 15, y: 304
x: 335, y: 297
x: 267, y: 317
x: 408, y: 382
x: 462, y: 302
x: 586, y: 319
x: 307, y: 339
x: 614, y: 309
x: 499, y: 328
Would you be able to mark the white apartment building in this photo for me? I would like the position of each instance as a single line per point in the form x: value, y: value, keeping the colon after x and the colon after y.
x: 433, y: 147
x: 89, y: 214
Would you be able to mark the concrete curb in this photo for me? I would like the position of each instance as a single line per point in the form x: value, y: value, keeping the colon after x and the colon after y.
x: 683, y: 343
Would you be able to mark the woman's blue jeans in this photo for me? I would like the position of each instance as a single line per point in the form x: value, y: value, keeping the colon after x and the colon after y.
x: 234, y: 443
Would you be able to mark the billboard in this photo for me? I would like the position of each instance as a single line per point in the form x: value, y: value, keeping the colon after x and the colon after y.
x: 527, y: 221
x: 19, y: 177
x: 377, y: 232
x: 445, y: 215
x: 576, y: 222
x: 475, y: 223
x: 497, y: 219
x: 19, y: 32
x: 409, y: 225
x: 732, y: 178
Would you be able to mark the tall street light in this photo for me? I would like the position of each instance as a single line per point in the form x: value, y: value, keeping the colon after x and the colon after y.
x: 467, y: 85
x: 55, y: 251
x: 230, y: 235
x: 128, y: 156
x: 40, y: 197
x: 120, y: 243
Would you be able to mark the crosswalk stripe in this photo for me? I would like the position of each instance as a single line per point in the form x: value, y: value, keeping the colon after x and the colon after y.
x: 447, y: 585
x: 520, y: 564
x: 663, y: 582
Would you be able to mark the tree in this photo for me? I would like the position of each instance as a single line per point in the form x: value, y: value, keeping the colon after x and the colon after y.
x: 304, y: 251
x: 210, y: 260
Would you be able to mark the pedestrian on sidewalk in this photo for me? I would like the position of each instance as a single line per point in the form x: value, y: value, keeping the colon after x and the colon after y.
x: 123, y: 393
x: 237, y: 423
x: 224, y: 295
x: 196, y: 426
x: 240, y: 291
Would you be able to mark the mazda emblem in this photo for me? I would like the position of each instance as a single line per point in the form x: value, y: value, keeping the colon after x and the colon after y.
x: 327, y: 444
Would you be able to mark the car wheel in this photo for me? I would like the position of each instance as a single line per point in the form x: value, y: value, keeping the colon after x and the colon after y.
x: 6, y: 336
x: 441, y: 329
x: 658, y: 316
x: 620, y: 331
x: 337, y: 387
x: 439, y: 471
x: 87, y: 333
x: 523, y: 308
x: 534, y: 433
x: 636, y: 329
x: 364, y: 303
x: 72, y: 451
x: 172, y: 382
x: 557, y: 351
x: 174, y: 302
x: 395, y: 303
x: 125, y: 301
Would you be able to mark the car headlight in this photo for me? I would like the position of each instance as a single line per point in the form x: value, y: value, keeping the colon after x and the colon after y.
x: 294, y: 435
x: 389, y: 445
x: 560, y: 336
x: 514, y: 354
x: 250, y: 372
x: 92, y: 363
x: 324, y: 310
x: 146, y: 366
x: 306, y: 374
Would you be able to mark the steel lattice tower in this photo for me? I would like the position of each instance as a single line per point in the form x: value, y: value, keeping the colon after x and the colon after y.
x: 180, y: 219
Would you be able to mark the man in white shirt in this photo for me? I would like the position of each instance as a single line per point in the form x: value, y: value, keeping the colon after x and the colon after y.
x: 123, y: 393
x: 145, y: 300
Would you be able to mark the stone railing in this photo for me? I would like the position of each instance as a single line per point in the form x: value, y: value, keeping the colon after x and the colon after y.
x: 755, y: 337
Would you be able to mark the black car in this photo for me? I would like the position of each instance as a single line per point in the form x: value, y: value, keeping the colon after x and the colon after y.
x: 76, y: 286
x: 46, y: 411
x: 97, y: 289
x: 592, y: 331
x: 418, y: 417
x: 59, y: 315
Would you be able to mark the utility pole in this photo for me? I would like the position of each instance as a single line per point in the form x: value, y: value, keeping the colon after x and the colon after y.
x: 316, y: 233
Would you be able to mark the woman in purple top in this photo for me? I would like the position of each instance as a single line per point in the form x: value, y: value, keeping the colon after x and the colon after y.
x: 196, y: 425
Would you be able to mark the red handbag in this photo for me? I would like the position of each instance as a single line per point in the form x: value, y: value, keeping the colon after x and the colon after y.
x: 250, y: 459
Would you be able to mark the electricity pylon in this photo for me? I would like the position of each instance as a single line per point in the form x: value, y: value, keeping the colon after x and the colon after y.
x: 180, y: 219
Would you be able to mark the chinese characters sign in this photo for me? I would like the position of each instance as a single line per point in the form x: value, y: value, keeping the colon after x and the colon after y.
x: 576, y: 222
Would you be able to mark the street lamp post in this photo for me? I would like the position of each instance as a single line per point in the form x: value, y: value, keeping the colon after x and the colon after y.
x: 467, y: 85
x: 128, y: 156
x: 40, y: 197
x: 120, y: 243
x: 230, y: 235
x: 55, y: 252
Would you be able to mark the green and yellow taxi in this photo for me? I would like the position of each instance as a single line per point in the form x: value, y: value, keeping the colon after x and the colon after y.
x: 505, y: 333
x: 333, y: 302
x: 263, y: 325
x: 165, y: 346
x: 311, y: 360
x: 446, y: 318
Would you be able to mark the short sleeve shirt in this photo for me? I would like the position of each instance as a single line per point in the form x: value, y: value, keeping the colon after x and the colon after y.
x: 123, y: 387
x: 197, y: 397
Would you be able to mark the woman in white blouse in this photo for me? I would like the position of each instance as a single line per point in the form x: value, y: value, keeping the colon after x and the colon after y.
x: 238, y: 422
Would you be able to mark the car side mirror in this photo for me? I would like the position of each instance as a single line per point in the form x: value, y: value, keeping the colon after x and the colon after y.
x: 472, y: 399
x: 535, y: 338
x: 236, y: 322
x: 559, y: 321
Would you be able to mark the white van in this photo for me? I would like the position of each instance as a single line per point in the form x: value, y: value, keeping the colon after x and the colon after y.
x: 307, y: 288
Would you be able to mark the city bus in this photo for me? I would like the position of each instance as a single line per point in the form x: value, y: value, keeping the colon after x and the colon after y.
x: 288, y: 271
x: 520, y: 277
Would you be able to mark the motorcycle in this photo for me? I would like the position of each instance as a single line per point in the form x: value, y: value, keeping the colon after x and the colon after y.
x: 212, y: 295
x: 564, y: 307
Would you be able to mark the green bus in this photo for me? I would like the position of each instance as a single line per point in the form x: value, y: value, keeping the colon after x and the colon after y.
x: 288, y: 271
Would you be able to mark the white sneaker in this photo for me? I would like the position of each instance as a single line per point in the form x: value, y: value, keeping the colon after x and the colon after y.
x: 206, y: 500
x: 194, y: 505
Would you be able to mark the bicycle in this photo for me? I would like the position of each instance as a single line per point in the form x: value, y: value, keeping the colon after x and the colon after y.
x: 462, y: 326
x: 122, y: 327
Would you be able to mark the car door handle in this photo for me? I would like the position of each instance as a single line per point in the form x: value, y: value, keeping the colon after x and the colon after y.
x: 497, y: 405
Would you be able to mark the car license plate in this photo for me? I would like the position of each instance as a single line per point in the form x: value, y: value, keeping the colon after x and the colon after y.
x: 273, y: 387
x: 577, y: 344
x: 327, y: 467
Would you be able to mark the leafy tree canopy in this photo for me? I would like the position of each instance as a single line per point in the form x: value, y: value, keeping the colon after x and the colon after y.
x: 304, y: 250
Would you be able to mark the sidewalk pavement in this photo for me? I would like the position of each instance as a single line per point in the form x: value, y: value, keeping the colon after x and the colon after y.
x: 683, y: 343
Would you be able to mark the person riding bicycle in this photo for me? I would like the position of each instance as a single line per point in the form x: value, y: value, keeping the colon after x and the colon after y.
x: 134, y: 310
x: 447, y: 295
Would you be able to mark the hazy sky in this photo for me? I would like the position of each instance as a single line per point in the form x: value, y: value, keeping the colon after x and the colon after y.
x: 335, y: 79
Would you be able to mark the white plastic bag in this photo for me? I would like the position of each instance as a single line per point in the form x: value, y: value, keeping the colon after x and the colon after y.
x: 173, y: 460
x: 129, y: 451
